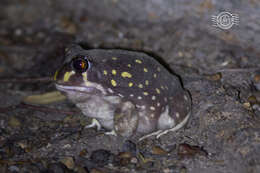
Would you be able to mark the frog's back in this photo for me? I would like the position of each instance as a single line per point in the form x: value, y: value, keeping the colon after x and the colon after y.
x: 141, y: 79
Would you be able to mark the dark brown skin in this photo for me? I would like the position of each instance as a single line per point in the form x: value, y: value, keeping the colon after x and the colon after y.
x: 124, y: 91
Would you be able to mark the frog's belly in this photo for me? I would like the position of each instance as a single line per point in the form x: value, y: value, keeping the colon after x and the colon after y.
x: 100, y: 109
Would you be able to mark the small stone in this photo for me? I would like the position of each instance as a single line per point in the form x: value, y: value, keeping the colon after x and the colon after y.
x: 246, y: 105
x: 68, y: 25
x: 125, y: 158
x: 83, y: 153
x: 180, y: 54
x: 134, y: 160
x: 215, y: 77
x: 100, y: 157
x: 167, y: 170
x: 68, y: 119
x: 14, y: 169
x: 257, y: 78
x: 158, y: 150
x: 244, y: 151
x: 94, y: 170
x: 66, y: 146
x: 183, y: 170
x: 14, y: 122
x: 125, y: 155
x: 22, y: 144
x: 252, y: 99
x: 68, y: 162
x: 186, y: 150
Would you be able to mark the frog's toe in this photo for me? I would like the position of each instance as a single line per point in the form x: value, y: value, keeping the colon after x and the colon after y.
x: 112, y: 133
x: 151, y: 134
x: 94, y: 123
x: 177, y: 127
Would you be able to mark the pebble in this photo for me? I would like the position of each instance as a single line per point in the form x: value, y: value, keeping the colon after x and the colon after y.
x: 14, y: 122
x: 101, y: 157
x: 158, y: 151
x: 68, y: 162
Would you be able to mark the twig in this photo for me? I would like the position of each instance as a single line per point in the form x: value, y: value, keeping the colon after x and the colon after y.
x: 26, y: 80
x: 38, y: 108
x: 238, y: 70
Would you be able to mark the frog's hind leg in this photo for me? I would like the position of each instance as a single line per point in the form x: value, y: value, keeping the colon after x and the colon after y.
x: 175, y: 128
x: 126, y: 119
x: 151, y: 134
x: 159, y: 133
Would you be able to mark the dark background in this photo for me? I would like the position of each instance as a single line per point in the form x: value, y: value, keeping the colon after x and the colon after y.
x: 219, y: 67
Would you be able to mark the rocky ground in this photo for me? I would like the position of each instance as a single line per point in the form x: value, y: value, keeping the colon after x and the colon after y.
x: 220, y: 68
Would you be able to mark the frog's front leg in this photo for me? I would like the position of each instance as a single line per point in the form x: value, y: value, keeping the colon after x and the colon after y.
x: 126, y: 119
x: 94, y: 123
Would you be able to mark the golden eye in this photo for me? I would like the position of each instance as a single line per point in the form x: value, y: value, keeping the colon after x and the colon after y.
x: 80, y: 64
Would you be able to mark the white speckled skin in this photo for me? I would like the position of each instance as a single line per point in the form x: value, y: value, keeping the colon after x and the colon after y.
x: 128, y: 92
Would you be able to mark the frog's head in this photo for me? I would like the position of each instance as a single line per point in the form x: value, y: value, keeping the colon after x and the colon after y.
x: 79, y: 76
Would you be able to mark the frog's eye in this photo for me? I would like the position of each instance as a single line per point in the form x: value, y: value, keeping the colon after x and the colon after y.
x: 80, y: 64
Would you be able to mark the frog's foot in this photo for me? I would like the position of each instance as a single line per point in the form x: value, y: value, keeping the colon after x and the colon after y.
x: 112, y: 133
x: 94, y: 123
x: 151, y: 134
x: 159, y: 133
x: 177, y: 127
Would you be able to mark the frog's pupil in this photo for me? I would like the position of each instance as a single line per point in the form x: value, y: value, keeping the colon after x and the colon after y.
x: 80, y: 65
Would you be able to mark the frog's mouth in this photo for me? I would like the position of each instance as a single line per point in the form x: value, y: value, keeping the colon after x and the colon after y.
x: 67, y: 88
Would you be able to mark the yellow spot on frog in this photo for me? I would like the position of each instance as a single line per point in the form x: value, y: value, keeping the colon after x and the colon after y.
x: 113, y: 82
x: 158, y: 91
x: 158, y: 69
x: 154, y: 75
x: 140, y: 86
x: 138, y: 61
x: 130, y: 84
x: 67, y: 76
x: 85, y: 78
x: 105, y: 72
x: 114, y: 72
x: 162, y: 87
x: 126, y: 74
x: 145, y: 70
x: 55, y: 75
x: 146, y: 93
x: 114, y: 58
x: 128, y: 65
x: 146, y: 82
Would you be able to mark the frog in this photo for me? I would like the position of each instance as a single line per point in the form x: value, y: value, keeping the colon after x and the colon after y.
x: 125, y: 92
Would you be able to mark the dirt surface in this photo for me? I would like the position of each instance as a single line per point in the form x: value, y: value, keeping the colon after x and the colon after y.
x: 220, y: 68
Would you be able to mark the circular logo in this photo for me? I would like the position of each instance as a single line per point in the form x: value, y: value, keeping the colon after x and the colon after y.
x: 225, y: 20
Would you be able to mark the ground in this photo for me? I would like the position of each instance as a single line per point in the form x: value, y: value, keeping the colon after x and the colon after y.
x: 219, y: 67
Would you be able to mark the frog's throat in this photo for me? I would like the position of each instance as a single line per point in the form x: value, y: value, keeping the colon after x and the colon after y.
x: 93, y: 84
